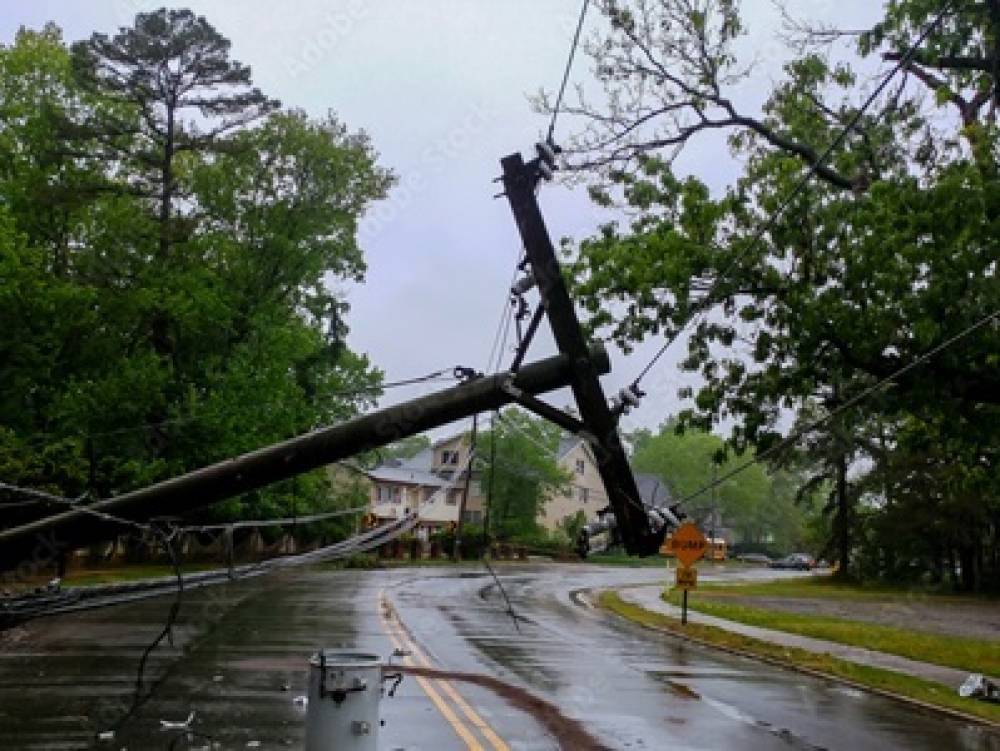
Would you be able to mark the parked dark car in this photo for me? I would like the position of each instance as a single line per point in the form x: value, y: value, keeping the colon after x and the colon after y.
x: 796, y: 561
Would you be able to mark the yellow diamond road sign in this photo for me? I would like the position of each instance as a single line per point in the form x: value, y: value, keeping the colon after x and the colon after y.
x: 687, y: 577
x: 688, y: 544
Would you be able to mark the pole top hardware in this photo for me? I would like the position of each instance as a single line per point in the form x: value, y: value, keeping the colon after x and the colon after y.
x: 548, y: 151
x: 626, y: 400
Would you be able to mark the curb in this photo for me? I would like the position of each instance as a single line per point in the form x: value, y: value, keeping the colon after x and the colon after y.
x: 953, y: 713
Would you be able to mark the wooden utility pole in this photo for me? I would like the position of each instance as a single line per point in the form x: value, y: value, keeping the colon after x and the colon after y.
x: 520, y: 180
x: 42, y: 539
x: 465, y: 488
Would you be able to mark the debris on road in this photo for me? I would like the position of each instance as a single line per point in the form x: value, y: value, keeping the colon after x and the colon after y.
x: 978, y: 686
x: 172, y: 725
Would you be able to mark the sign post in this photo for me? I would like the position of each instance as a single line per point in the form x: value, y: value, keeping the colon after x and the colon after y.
x: 688, y: 544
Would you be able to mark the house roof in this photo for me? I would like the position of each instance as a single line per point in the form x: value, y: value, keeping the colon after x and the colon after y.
x: 652, y: 490
x: 567, y: 443
x: 417, y: 470
x: 409, y: 475
x: 453, y: 437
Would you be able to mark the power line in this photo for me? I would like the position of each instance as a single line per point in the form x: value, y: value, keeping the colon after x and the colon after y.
x: 767, y: 226
x: 254, y: 523
x: 436, y: 376
x: 503, y: 327
x: 569, y: 66
x: 850, y: 403
x: 41, y: 497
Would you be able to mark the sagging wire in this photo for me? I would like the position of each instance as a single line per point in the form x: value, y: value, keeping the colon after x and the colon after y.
x: 487, y: 535
x: 566, y: 72
x: 439, y: 376
x: 139, y: 696
x: 849, y: 404
x: 255, y: 523
x: 497, y: 350
x: 35, y: 497
x: 40, y: 497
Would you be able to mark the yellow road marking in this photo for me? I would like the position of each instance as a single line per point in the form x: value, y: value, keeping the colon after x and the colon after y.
x: 463, y: 732
x: 488, y: 733
x: 396, y: 631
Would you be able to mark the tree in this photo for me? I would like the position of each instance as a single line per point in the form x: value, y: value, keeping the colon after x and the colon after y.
x: 168, y: 62
x: 123, y: 365
x: 761, y: 511
x: 522, y: 474
x: 407, y: 448
x: 888, y: 255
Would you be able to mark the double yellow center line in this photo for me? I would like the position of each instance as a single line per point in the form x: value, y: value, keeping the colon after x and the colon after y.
x: 436, y: 686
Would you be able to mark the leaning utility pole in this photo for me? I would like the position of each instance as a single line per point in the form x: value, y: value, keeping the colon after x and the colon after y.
x: 597, y: 424
x: 78, y: 526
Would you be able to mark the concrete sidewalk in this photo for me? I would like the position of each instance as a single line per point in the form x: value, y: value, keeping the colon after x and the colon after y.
x: 648, y: 597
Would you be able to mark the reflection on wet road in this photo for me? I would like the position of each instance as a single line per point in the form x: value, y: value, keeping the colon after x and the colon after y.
x: 240, y: 651
x: 639, y: 689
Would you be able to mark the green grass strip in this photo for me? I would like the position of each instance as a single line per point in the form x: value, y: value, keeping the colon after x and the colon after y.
x: 926, y: 692
x: 964, y: 653
x: 828, y: 587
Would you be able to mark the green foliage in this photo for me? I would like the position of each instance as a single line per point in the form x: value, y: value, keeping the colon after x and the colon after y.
x: 759, y: 507
x: 888, y: 254
x: 165, y: 279
x: 407, y: 448
x: 524, y: 472
x: 569, y: 527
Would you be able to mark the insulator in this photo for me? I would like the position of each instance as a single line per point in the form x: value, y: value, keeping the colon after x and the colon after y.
x: 547, y: 152
x: 627, y: 399
x: 546, y: 170
x: 524, y: 284
x: 632, y: 395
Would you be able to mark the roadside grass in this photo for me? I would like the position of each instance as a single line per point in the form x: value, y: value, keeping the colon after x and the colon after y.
x: 620, y: 559
x: 974, y: 655
x: 655, y: 561
x: 868, y: 677
x: 92, y: 577
x: 828, y: 586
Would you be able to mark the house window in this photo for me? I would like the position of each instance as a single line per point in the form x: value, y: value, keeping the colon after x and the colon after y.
x: 453, y: 496
x: 428, y: 493
x: 449, y: 457
x: 580, y: 466
x: 397, y: 495
x: 583, y: 494
x: 384, y: 494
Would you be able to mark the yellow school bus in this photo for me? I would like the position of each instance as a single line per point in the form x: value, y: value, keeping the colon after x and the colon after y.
x: 718, y: 550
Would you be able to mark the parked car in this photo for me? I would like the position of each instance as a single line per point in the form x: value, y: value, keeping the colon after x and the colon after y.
x: 754, y: 558
x: 796, y: 561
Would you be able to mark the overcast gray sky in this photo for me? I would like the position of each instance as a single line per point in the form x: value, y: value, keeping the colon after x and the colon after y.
x: 441, y: 86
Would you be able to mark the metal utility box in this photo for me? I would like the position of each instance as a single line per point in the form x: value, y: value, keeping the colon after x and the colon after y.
x: 344, y: 692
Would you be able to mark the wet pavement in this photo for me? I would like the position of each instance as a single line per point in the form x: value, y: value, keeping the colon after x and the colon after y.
x: 240, y: 652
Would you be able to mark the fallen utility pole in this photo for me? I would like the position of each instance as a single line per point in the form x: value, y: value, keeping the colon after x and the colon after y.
x: 601, y: 426
x: 45, y: 538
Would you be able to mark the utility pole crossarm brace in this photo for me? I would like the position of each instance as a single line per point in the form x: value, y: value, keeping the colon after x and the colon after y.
x: 633, y: 523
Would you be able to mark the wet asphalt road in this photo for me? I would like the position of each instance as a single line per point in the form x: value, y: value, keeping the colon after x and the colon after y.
x: 239, y: 661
